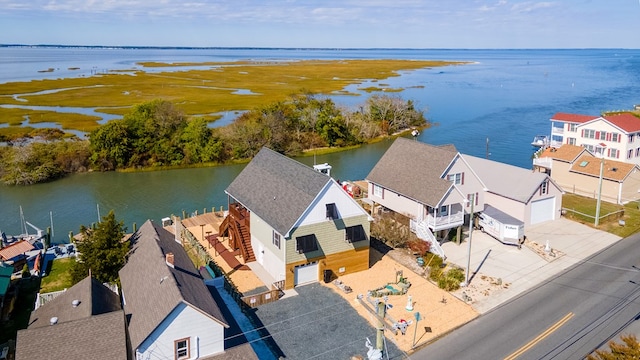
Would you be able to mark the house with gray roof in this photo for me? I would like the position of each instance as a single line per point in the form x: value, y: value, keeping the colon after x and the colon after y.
x: 436, y: 186
x: 410, y: 179
x: 528, y: 196
x: 84, y: 322
x: 298, y: 222
x: 169, y: 310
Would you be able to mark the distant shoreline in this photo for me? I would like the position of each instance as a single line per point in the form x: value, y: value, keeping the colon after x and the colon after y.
x: 143, y: 47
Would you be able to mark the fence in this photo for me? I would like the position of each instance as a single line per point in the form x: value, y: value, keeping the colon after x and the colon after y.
x: 591, y: 218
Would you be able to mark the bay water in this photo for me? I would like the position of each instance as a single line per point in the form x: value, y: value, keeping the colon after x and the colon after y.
x: 493, y: 107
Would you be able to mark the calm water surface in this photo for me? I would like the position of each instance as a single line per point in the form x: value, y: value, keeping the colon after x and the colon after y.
x: 507, y: 96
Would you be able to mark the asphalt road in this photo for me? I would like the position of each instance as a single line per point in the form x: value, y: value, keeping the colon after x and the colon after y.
x: 566, y: 317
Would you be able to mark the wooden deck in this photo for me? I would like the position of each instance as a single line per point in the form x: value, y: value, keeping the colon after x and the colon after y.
x: 213, y: 219
x: 208, y: 224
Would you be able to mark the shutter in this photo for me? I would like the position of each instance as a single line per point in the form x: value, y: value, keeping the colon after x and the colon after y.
x: 597, y: 135
x: 476, y: 198
x: 468, y: 200
x: 582, y: 133
x: 462, y: 179
x: 609, y: 152
x: 619, y: 136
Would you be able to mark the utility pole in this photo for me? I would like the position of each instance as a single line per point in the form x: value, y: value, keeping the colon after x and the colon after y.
x: 469, y: 246
x: 382, y: 307
x: 599, y: 190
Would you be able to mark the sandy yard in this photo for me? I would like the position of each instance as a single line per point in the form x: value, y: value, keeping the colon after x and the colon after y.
x: 439, y: 310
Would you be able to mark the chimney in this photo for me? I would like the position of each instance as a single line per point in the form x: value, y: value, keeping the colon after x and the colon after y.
x: 169, y: 260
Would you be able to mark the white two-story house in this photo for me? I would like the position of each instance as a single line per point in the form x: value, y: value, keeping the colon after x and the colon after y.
x: 614, y: 136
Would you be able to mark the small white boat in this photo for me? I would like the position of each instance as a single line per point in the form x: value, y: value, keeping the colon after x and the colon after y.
x: 540, y: 141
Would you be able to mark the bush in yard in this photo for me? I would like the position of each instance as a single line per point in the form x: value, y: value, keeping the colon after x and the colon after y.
x: 456, y: 274
x: 450, y: 280
x: 418, y: 246
x: 448, y: 284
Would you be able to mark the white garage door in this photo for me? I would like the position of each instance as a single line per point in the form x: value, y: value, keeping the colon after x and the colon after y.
x: 306, y: 274
x: 543, y: 210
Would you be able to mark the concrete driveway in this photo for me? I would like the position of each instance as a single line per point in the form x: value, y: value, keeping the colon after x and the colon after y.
x: 525, y: 268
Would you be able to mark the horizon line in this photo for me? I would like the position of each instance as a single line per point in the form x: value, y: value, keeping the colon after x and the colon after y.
x: 282, y: 48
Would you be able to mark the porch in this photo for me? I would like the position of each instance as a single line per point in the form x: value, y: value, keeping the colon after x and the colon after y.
x: 444, y: 221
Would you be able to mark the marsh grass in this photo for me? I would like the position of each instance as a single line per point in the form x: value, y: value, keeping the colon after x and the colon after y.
x: 196, y: 92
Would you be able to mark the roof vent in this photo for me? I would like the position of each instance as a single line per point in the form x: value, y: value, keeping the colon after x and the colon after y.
x: 169, y: 260
x: 53, y: 320
x: 75, y: 303
x: 614, y: 169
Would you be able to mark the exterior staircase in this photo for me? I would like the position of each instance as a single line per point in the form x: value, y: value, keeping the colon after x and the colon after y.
x: 236, y: 227
x: 245, y: 243
x: 424, y: 233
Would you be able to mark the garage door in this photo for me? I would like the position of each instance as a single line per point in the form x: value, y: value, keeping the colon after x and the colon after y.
x: 306, y: 273
x: 543, y: 210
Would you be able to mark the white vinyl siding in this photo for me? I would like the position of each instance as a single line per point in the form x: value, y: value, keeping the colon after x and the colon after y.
x: 206, y: 335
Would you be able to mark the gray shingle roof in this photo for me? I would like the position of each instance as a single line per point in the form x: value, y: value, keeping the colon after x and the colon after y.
x: 151, y: 289
x: 509, y: 181
x: 95, y: 299
x: 413, y: 169
x: 277, y: 189
x: 97, y: 320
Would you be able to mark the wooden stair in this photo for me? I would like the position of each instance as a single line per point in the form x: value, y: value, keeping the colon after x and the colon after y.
x: 236, y: 226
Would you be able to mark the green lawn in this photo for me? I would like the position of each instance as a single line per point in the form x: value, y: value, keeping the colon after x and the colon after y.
x: 59, y: 277
x: 631, y: 215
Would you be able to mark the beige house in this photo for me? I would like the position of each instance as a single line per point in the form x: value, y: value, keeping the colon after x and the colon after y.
x: 577, y: 171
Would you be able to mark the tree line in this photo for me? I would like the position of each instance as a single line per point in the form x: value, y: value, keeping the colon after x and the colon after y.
x: 159, y: 134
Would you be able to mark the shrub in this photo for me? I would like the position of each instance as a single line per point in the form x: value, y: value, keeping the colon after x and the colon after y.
x: 457, y: 274
x: 418, y: 246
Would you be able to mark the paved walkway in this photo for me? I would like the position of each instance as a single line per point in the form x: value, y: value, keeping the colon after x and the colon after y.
x: 520, y: 270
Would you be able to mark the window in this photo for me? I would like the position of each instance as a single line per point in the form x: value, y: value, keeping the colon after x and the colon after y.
x: 630, y: 154
x: 544, y: 188
x: 377, y: 191
x: 589, y: 134
x: 332, y: 212
x: 457, y: 179
x: 632, y: 137
x: 615, y: 137
x: 181, y: 348
x: 603, y: 135
x: 571, y: 141
x: 306, y: 243
x: 443, y: 210
x: 599, y: 150
x: 614, y: 153
x: 276, y: 239
x: 571, y: 127
x: 588, y: 147
x: 637, y: 152
x: 355, y: 233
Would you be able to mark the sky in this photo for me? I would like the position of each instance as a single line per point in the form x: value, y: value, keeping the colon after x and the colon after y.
x: 324, y: 23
